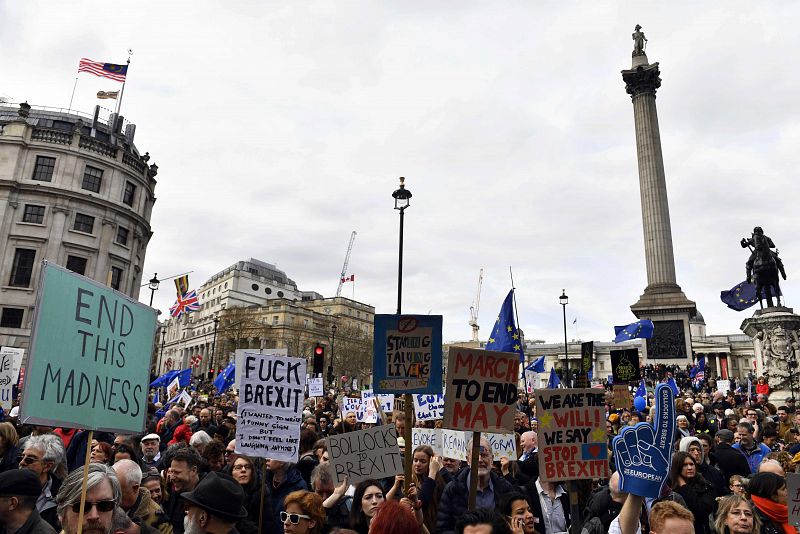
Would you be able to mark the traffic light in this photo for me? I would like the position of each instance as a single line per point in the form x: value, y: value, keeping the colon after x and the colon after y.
x: 319, y: 359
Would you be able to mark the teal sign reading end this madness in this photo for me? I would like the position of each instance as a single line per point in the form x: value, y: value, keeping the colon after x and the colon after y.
x: 89, y: 359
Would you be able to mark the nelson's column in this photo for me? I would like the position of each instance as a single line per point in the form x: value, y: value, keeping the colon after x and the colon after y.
x: 662, y: 302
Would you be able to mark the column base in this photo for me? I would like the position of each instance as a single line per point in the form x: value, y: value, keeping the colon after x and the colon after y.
x: 670, y: 310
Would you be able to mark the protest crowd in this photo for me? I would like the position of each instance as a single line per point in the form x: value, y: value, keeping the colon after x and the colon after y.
x: 727, y: 474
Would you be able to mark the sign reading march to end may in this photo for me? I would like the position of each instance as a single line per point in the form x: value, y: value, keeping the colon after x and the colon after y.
x: 89, y: 358
x: 572, y: 434
x: 370, y: 453
x: 407, y: 354
x: 270, y: 406
x: 642, y: 452
x: 481, y: 390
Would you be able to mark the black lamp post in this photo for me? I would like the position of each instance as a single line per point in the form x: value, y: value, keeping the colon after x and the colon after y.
x: 163, y: 342
x: 213, y: 346
x: 153, y: 285
x: 564, y: 300
x: 331, y: 376
x: 401, y: 202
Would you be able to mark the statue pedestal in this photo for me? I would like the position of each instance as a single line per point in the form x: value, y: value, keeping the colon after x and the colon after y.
x: 776, y: 337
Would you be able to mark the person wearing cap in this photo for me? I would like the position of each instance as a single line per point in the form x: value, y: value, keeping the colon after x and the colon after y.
x: 729, y: 460
x: 102, y: 498
x: 214, y: 506
x: 151, y: 453
x: 19, y: 490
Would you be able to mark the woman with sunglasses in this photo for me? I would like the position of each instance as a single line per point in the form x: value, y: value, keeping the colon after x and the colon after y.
x: 303, y: 513
x: 367, y: 497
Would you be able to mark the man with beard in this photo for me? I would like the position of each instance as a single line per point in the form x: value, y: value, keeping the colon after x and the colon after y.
x: 214, y: 506
x: 184, y: 475
x: 204, y: 423
x: 491, y: 487
x: 151, y: 455
x: 102, y: 497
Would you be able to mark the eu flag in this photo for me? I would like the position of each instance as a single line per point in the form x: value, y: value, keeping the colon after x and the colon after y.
x: 739, y: 297
x: 226, y: 378
x: 164, y: 380
x: 642, y: 391
x: 553, y: 382
x: 537, y: 365
x: 185, y: 377
x: 642, y: 328
x: 505, y: 336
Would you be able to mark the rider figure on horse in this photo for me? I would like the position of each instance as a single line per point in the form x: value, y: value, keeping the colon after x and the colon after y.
x: 761, y: 243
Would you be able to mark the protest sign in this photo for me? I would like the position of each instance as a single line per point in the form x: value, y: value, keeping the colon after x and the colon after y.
x: 428, y: 407
x: 89, y: 357
x: 369, y: 412
x: 572, y: 434
x: 270, y: 406
x: 238, y: 359
x: 427, y: 436
x: 386, y: 401
x: 315, y: 387
x: 10, y: 362
x: 407, y: 354
x: 622, y: 397
x: 173, y: 389
x: 530, y: 381
x: 481, y: 390
x: 370, y: 453
x: 454, y: 444
x: 184, y: 399
x: 625, y: 365
x: 642, y: 452
x: 793, y: 490
x: 723, y: 386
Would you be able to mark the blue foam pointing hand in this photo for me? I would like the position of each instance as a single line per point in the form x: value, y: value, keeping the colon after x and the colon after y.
x: 643, y: 451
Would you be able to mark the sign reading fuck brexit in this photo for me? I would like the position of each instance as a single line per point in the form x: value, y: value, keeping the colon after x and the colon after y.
x: 407, y: 355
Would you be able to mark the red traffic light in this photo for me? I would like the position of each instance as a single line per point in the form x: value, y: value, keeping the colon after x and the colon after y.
x: 319, y: 351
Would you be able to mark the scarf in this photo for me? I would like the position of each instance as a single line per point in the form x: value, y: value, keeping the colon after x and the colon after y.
x: 779, y: 513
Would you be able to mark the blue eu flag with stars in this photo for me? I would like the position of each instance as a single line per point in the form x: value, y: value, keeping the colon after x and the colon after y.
x: 642, y: 328
x: 505, y: 337
x: 226, y: 378
x: 740, y: 297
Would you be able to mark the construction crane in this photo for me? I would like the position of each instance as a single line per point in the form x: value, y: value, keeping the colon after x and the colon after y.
x: 346, y: 261
x: 473, y: 310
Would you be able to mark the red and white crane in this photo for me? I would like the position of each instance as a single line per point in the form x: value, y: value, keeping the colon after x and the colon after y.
x: 346, y: 262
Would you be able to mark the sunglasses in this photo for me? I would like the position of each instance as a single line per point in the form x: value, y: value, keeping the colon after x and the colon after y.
x: 102, y: 506
x: 27, y: 460
x: 293, y: 518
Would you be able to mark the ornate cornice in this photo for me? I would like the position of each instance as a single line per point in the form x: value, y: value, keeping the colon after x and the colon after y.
x: 642, y: 80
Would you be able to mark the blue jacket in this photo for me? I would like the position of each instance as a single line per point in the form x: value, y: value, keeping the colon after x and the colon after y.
x: 276, y: 495
x: 755, y: 456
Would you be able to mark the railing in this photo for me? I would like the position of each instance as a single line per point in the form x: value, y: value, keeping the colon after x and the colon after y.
x: 97, y: 146
x: 133, y: 163
x: 47, y: 135
x: 55, y: 113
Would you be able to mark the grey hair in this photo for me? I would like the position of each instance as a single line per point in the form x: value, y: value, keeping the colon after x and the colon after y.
x: 131, y: 472
x: 70, y: 491
x: 52, y: 449
x: 200, y: 437
x: 120, y: 520
x: 190, y: 420
x: 321, y: 474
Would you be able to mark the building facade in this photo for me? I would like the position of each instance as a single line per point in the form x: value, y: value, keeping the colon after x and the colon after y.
x: 74, y: 191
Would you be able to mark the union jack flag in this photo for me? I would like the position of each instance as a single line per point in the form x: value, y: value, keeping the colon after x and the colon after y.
x: 185, y: 304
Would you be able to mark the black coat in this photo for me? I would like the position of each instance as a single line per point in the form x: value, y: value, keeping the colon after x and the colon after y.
x: 730, y: 462
x: 700, y: 499
x: 455, y: 496
x: 536, y: 506
x: 602, y: 506
x: 35, y: 525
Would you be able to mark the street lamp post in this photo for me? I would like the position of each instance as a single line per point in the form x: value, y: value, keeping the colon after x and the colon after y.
x: 213, y: 346
x: 402, y: 197
x: 153, y: 285
x: 331, y: 376
x: 163, y: 342
x: 564, y: 300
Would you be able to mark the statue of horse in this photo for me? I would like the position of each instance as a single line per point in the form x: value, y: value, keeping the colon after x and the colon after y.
x: 763, y: 268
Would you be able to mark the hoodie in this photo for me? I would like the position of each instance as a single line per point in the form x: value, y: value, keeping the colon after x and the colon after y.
x: 709, y: 472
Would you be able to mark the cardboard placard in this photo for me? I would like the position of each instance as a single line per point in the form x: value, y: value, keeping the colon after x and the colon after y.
x: 481, y: 390
x: 625, y: 365
x: 454, y: 444
x: 270, y: 406
x: 407, y: 354
x: 622, y: 397
x: 369, y: 453
x: 238, y: 358
x: 793, y: 489
x: 427, y: 436
x: 173, y: 390
x: 428, y: 407
x: 572, y: 434
x: 10, y: 362
x: 89, y: 358
x: 315, y: 386
x: 723, y: 386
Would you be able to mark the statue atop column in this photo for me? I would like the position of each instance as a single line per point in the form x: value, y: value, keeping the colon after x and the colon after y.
x: 763, y: 266
x: 639, y: 41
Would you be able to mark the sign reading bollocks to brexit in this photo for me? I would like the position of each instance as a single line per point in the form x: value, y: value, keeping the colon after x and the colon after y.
x: 89, y: 358
x: 407, y: 354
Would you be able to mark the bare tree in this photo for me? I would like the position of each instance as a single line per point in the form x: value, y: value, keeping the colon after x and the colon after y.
x: 352, y: 352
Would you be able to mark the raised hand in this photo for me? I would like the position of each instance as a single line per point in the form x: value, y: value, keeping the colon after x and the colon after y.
x: 642, y: 452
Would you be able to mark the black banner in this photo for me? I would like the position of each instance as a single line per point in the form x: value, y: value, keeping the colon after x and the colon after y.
x: 625, y: 366
x: 587, y: 355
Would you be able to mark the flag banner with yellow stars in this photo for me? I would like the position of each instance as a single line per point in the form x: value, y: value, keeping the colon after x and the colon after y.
x: 740, y: 297
x: 642, y: 328
x: 572, y: 434
x: 505, y: 337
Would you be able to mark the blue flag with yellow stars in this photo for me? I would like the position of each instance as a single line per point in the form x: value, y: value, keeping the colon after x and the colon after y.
x: 740, y: 297
x: 642, y: 328
x: 226, y: 378
x: 505, y: 337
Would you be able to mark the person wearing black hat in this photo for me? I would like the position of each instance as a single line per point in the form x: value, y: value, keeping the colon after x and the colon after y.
x: 19, y: 490
x: 214, y: 506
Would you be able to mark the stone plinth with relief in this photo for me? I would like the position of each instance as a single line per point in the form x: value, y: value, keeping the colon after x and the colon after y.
x: 776, y: 338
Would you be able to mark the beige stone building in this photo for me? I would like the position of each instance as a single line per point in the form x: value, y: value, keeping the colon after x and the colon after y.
x: 75, y: 191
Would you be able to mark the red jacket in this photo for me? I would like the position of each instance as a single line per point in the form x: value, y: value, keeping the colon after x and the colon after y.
x: 762, y: 389
x: 182, y: 433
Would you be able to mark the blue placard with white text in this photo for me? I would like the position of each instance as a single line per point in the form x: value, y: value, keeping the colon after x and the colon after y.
x: 407, y: 356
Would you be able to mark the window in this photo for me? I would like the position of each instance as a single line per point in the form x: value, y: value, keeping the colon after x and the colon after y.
x: 116, y: 278
x: 267, y: 290
x: 305, y: 323
x: 22, y: 269
x: 12, y: 318
x: 76, y: 264
x: 122, y: 235
x: 129, y: 193
x: 83, y: 223
x: 92, y: 178
x: 274, y: 319
x: 33, y: 214
x: 280, y: 294
x: 43, y: 170
x: 254, y: 287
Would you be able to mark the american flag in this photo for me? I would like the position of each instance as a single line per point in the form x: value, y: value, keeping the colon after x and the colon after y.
x: 186, y: 303
x: 196, y: 359
x: 104, y: 70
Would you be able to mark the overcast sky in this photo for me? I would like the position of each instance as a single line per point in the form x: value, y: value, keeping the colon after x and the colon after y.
x: 280, y: 127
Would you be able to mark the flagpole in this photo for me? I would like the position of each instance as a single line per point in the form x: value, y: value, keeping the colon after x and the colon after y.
x: 522, y: 342
x: 122, y: 92
x: 73, y: 94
